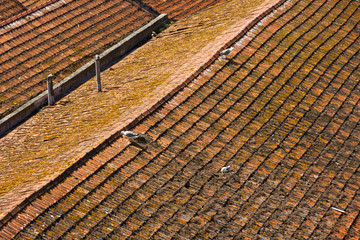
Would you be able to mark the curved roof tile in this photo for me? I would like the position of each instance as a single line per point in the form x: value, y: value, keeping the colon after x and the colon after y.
x: 282, y: 109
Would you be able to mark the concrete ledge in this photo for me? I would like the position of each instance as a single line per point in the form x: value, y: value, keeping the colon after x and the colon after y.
x: 82, y: 74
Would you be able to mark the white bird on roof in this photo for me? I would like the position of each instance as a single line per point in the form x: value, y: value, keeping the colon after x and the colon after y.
x: 129, y: 134
x: 225, y: 169
x: 226, y: 51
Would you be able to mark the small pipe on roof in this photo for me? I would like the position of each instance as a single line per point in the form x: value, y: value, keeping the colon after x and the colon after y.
x: 51, y: 98
x: 97, y: 70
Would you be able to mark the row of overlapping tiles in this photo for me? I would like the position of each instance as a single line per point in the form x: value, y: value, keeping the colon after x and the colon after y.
x: 282, y: 110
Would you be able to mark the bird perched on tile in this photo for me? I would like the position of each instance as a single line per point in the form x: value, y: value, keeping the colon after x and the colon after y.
x: 129, y: 134
x: 226, y: 51
x: 136, y: 138
x: 225, y: 169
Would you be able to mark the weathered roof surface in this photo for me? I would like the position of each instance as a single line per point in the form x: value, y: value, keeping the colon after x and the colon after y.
x: 180, y: 9
x: 46, y: 144
x: 9, y: 8
x: 58, y: 37
x: 282, y: 110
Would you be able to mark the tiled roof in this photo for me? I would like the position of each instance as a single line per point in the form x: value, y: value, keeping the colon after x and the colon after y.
x: 58, y: 37
x: 282, y: 109
x: 180, y: 9
x: 9, y: 8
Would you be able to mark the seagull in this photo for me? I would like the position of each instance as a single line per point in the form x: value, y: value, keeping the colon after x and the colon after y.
x: 136, y: 138
x: 226, y: 51
x: 129, y: 134
x: 225, y: 169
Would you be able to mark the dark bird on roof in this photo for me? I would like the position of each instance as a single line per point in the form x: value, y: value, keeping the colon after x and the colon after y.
x: 225, y: 169
x: 226, y: 51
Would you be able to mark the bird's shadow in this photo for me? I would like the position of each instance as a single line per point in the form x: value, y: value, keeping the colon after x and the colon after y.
x: 114, y: 88
x: 224, y: 174
x: 141, y: 141
x: 135, y: 144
